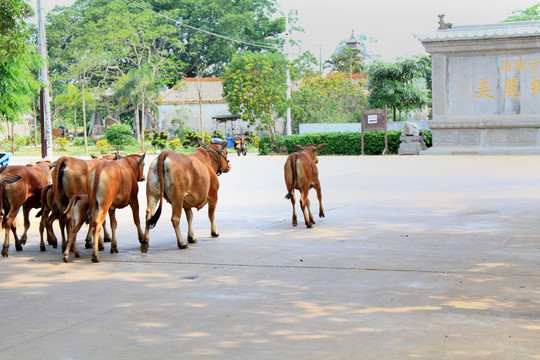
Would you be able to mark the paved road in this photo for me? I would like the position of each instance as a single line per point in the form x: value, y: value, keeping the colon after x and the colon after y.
x: 419, y: 257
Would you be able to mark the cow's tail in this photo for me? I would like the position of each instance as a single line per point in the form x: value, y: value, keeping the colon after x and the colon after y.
x: 71, y: 203
x: 43, y: 199
x: 161, y: 180
x: 58, y: 175
x: 291, y: 162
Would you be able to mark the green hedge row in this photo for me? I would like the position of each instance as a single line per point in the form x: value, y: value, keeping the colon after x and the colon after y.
x: 338, y: 143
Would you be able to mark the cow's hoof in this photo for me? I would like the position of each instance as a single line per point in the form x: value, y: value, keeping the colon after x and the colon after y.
x: 88, y: 245
x: 215, y: 234
x: 321, y: 214
x: 183, y: 246
x: 192, y: 240
x: 18, y: 247
x: 65, y: 258
x: 23, y: 240
x: 309, y: 225
x: 42, y: 248
x: 95, y: 259
x: 312, y: 221
x: 114, y: 250
x: 144, y: 248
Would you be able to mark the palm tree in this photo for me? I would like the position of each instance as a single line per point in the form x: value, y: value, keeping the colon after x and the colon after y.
x: 142, y: 88
x: 346, y: 60
x: 71, y: 100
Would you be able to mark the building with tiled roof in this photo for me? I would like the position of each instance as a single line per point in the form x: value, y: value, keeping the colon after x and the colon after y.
x: 181, y: 102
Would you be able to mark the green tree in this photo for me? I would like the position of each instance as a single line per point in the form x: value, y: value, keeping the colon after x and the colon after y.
x: 141, y: 88
x: 530, y: 13
x: 399, y: 85
x: 254, y: 85
x: 18, y: 62
x: 334, y: 98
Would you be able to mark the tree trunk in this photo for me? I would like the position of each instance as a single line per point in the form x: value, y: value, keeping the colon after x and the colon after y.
x: 84, y: 121
x: 35, y: 123
x: 75, y: 122
x: 136, y: 123
x: 143, y: 122
x: 12, y: 137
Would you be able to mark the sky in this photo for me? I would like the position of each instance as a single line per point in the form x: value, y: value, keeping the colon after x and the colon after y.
x: 392, y: 24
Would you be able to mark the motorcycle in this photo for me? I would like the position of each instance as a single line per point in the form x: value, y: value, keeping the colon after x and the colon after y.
x: 240, y: 145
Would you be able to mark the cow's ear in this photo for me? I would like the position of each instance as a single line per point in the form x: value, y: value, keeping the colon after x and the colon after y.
x: 117, y: 156
x: 320, y: 147
x: 224, y: 145
x: 203, y: 145
x: 298, y: 147
x: 93, y: 156
x: 141, y: 159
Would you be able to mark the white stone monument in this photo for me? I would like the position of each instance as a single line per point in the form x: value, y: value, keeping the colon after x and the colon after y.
x: 486, y: 88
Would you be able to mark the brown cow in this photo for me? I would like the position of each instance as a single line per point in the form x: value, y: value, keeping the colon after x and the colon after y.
x: 186, y: 181
x: 69, y: 179
x: 113, y: 185
x: 25, y: 192
x: 301, y: 173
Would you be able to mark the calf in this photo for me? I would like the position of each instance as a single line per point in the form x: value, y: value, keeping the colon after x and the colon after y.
x: 113, y: 185
x: 25, y: 193
x: 186, y: 181
x: 78, y: 212
x: 301, y: 173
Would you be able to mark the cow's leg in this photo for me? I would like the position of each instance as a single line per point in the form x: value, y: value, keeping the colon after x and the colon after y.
x: 10, y: 226
x: 26, y: 218
x: 7, y: 228
x: 72, y: 239
x: 303, y: 203
x: 175, y: 219
x: 136, y: 219
x: 212, y: 203
x: 97, y: 223
x: 114, y: 224
x: 308, y: 206
x: 293, y: 202
x: 42, y: 221
x: 190, y: 234
x: 51, y: 237
x: 65, y: 229
x: 106, y: 235
x: 319, y: 198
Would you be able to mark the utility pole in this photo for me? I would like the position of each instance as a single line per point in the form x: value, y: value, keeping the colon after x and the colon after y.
x: 46, y: 133
x: 289, y: 82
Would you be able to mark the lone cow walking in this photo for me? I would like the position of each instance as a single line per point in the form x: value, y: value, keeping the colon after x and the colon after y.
x: 301, y: 173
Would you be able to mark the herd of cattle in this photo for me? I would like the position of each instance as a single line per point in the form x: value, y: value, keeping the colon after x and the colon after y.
x: 75, y: 191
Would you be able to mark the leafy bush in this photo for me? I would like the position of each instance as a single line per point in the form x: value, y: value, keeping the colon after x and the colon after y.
x: 339, y: 143
x: 159, y: 139
x: 119, y: 136
x: 62, y: 141
x: 103, y: 146
x: 173, y: 144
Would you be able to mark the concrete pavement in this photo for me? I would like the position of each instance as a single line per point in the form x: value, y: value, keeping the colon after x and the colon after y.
x: 418, y: 257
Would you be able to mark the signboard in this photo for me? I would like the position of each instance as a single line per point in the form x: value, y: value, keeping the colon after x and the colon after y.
x: 375, y: 120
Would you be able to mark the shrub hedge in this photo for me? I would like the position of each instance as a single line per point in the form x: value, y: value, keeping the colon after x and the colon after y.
x: 338, y: 143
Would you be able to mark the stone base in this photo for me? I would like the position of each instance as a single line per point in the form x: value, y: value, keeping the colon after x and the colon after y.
x: 411, y: 144
x: 477, y: 150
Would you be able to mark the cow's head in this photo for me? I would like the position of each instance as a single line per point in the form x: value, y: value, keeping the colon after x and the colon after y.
x: 311, y: 150
x: 218, y: 151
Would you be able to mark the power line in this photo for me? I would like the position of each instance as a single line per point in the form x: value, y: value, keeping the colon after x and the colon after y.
x: 184, y: 24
